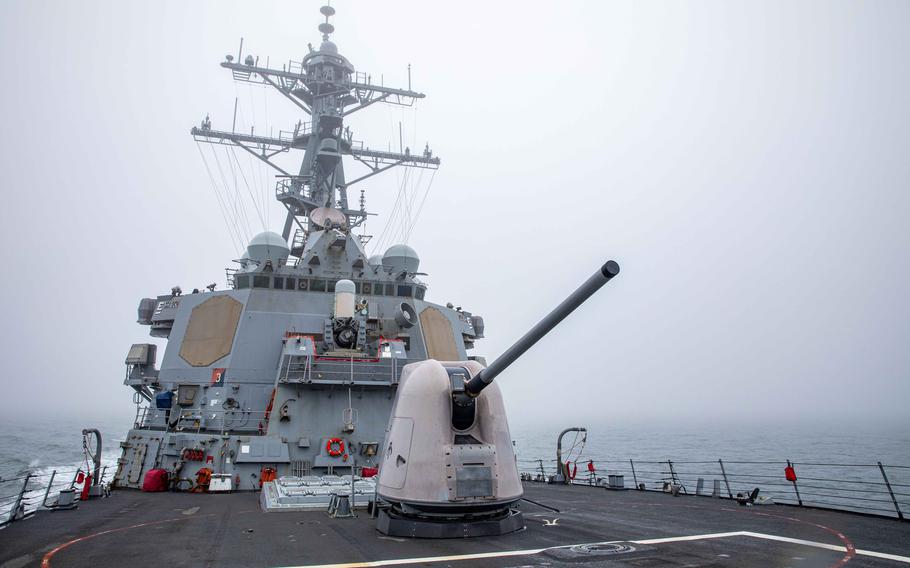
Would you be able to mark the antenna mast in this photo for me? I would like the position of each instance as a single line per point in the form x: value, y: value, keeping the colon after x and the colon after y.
x: 325, y: 86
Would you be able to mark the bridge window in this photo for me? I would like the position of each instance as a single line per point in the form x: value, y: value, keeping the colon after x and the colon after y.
x: 278, y: 283
x: 367, y: 288
x: 317, y: 285
x: 241, y: 282
x: 290, y: 284
x: 260, y: 281
x: 303, y: 284
x: 404, y: 290
x: 420, y: 292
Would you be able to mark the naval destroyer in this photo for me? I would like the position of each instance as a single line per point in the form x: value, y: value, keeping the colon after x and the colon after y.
x: 323, y: 411
x: 293, y: 368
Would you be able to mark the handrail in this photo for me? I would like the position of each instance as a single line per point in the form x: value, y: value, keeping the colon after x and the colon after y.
x: 873, y: 495
x: 871, y: 488
x: 30, y: 498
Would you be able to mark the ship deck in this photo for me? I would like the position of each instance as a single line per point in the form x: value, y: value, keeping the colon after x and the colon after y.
x: 595, y: 527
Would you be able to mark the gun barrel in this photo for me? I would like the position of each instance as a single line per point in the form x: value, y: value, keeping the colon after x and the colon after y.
x: 577, y: 298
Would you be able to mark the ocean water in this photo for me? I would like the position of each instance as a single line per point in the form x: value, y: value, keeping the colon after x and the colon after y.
x: 41, y: 448
x: 828, y: 442
x: 836, y: 463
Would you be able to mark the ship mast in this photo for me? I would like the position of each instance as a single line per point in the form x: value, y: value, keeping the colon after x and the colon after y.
x: 325, y: 85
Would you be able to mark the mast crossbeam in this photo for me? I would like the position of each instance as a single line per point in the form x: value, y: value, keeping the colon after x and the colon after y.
x: 297, y: 139
x: 293, y: 85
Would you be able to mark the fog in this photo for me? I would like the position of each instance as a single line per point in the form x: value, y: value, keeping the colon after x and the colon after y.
x: 746, y: 164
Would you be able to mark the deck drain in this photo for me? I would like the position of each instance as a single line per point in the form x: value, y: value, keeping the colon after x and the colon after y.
x: 603, y: 548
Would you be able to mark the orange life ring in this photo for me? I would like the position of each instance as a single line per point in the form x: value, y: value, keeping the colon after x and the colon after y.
x: 334, y: 447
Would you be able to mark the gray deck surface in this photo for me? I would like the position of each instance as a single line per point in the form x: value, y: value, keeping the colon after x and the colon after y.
x: 177, y: 529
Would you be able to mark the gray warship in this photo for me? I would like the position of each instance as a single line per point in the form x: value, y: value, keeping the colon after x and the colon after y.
x: 321, y: 411
x: 295, y: 366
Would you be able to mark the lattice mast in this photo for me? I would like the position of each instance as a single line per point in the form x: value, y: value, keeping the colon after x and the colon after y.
x: 327, y: 88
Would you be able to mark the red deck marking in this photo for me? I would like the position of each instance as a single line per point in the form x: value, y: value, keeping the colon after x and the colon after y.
x: 46, y: 561
x: 848, y: 544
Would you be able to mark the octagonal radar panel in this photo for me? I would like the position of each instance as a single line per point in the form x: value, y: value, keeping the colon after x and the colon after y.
x: 323, y: 217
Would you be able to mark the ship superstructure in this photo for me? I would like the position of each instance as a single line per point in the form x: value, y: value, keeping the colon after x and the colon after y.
x: 294, y: 368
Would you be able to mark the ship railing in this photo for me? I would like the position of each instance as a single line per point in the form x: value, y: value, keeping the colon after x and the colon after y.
x: 342, y: 371
x: 300, y: 129
x: 229, y: 274
x: 197, y: 420
x: 363, y: 78
x: 31, y: 490
x: 295, y: 66
x: 867, y: 488
x: 293, y: 185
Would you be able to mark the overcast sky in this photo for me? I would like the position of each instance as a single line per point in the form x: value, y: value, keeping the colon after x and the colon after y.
x: 747, y: 163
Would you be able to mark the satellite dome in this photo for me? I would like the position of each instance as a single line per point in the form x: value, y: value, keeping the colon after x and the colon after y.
x: 401, y: 258
x: 268, y: 245
x: 375, y: 260
x: 328, y: 47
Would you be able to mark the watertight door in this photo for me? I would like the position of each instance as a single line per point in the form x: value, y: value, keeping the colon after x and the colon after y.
x: 397, y: 453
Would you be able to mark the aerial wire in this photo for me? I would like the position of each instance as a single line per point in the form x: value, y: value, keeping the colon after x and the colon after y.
x: 252, y: 101
x: 257, y: 181
x: 265, y: 180
x: 420, y: 208
x: 239, y: 198
x: 233, y: 200
x: 414, y: 189
x: 403, y: 219
x: 230, y: 208
x: 409, y: 198
x: 411, y: 214
x: 385, y: 229
x: 224, y: 216
x: 247, y: 98
x: 389, y: 230
x: 236, y: 199
x: 249, y: 189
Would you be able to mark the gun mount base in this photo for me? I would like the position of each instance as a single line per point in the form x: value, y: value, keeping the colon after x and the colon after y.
x: 392, y: 522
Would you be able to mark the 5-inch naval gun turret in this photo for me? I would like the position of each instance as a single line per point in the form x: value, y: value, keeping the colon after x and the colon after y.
x: 448, y: 468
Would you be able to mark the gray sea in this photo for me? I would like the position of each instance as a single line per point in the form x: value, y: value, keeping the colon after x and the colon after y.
x: 837, y: 464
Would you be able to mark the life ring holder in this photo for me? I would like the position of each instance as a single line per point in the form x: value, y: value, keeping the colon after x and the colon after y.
x: 334, y: 447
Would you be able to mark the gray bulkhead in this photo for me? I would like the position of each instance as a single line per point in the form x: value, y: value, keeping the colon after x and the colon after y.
x: 227, y: 417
